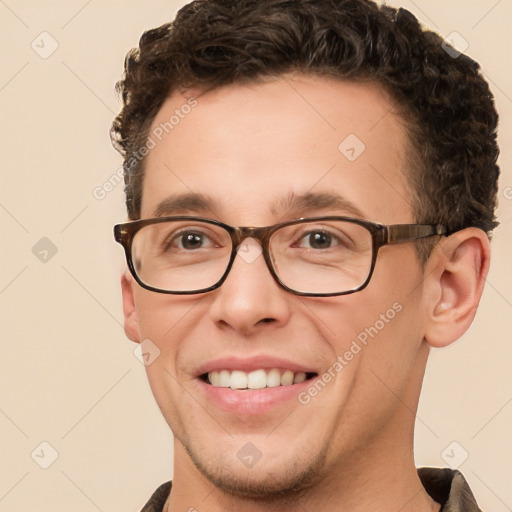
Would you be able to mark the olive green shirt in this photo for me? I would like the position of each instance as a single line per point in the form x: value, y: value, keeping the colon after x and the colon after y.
x: 446, y: 486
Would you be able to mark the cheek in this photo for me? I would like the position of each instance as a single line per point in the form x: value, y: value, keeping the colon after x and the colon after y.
x: 161, y: 321
x: 385, y: 322
x: 174, y: 404
x: 159, y: 325
x: 393, y: 326
x: 161, y: 316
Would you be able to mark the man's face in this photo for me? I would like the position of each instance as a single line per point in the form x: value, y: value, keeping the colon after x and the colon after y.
x: 248, y: 150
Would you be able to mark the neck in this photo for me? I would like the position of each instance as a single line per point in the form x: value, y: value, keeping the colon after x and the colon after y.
x: 380, y: 477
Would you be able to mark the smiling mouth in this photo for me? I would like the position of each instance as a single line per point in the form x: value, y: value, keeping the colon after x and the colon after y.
x: 257, y: 379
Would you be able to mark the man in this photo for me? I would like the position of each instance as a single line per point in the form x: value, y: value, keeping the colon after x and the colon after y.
x: 310, y: 187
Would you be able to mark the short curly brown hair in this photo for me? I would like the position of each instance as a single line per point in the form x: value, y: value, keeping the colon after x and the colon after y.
x: 444, y: 99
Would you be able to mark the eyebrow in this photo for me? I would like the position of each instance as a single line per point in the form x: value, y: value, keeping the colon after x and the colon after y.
x: 292, y: 205
x: 183, y: 203
x: 301, y: 204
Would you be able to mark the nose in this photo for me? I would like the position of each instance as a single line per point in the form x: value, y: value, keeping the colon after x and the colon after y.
x: 250, y: 300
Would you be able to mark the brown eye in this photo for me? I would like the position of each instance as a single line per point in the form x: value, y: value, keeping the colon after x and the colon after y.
x: 319, y: 240
x: 191, y: 240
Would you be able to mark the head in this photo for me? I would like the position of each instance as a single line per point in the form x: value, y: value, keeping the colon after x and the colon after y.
x: 229, y: 113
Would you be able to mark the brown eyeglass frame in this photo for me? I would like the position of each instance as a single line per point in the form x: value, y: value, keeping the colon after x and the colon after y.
x: 381, y: 235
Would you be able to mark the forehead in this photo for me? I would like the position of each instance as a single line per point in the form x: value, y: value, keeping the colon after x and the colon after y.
x: 249, y: 148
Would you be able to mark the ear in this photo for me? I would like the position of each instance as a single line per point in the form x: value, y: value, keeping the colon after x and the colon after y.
x: 456, y: 274
x: 131, y: 322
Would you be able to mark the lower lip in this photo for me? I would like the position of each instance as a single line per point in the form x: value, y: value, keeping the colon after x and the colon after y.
x: 252, y: 401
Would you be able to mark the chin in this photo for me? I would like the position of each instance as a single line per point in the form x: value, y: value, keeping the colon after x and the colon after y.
x: 282, y: 478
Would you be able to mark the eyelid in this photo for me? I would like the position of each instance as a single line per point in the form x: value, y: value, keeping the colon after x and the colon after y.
x: 342, y: 236
x: 203, y: 230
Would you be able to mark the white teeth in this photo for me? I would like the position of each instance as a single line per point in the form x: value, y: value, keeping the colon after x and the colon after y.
x: 224, y: 376
x: 214, y: 378
x: 257, y: 379
x: 238, y: 380
x: 287, y: 378
x: 299, y: 377
x: 273, y: 378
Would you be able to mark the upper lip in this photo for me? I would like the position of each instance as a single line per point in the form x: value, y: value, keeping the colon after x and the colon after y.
x: 250, y: 364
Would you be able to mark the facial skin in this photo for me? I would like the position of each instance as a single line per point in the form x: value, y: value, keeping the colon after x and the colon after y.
x: 247, y: 149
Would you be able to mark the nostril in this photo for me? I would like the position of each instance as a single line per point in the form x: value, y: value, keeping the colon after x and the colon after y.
x: 267, y: 320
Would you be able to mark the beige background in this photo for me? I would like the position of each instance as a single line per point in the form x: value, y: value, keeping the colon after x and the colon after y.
x: 68, y: 375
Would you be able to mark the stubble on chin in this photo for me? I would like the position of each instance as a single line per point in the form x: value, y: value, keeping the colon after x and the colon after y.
x: 280, y: 488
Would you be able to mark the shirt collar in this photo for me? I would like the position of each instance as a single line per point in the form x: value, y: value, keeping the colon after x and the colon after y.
x: 446, y: 486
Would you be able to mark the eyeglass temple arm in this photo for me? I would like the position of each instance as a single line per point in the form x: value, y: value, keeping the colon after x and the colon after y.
x: 401, y: 233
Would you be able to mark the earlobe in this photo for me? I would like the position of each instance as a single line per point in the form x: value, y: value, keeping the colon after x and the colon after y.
x: 457, y: 277
x: 131, y: 323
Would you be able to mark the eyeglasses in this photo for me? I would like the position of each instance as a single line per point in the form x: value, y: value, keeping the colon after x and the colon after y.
x: 314, y: 257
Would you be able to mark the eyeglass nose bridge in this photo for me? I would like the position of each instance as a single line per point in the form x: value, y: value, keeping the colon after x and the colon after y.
x: 260, y: 234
